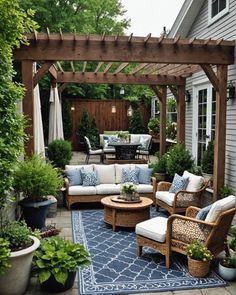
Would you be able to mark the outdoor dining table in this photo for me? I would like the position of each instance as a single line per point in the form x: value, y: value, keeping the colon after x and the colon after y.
x: 125, y: 150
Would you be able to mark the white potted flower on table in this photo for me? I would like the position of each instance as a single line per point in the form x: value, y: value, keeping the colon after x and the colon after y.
x: 129, y: 191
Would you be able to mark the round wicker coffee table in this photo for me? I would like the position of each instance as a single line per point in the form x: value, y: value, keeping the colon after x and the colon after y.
x: 125, y: 214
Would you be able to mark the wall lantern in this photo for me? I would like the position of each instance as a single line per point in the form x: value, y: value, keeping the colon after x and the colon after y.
x: 187, y: 96
x: 122, y: 91
x: 72, y: 108
x: 230, y: 91
x: 113, y: 109
x: 130, y: 111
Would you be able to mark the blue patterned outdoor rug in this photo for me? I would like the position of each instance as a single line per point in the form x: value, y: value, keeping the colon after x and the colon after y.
x: 116, y: 269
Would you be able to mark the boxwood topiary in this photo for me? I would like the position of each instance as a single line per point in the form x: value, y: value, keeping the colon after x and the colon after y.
x: 178, y: 160
x: 60, y: 152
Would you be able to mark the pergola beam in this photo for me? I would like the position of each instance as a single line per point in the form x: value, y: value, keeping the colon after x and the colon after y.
x: 125, y: 50
x: 41, y: 72
x: 120, y: 78
x: 211, y: 76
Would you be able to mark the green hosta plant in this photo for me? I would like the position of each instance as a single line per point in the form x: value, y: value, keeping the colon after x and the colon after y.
x: 57, y: 257
x: 4, y: 255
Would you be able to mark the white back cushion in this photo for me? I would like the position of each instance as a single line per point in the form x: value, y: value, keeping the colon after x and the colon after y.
x: 195, y: 181
x: 105, y: 173
x: 88, y: 168
x: 135, y: 138
x: 219, y: 207
x: 133, y: 166
x: 118, y: 171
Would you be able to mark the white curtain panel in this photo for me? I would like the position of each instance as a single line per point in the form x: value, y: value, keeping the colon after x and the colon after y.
x: 39, y: 147
x: 55, y: 116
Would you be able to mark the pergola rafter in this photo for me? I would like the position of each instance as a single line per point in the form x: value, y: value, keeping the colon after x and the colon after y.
x: 158, y: 62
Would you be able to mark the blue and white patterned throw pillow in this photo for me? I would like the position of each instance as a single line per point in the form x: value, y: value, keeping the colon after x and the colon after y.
x: 202, y: 214
x: 145, y: 175
x: 113, y: 139
x: 129, y: 175
x: 89, y: 178
x: 74, y: 176
x: 179, y: 183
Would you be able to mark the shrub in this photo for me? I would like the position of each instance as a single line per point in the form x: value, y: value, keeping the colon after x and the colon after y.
x: 225, y: 191
x: 154, y: 125
x: 207, y: 162
x: 136, y: 123
x: 60, y: 152
x: 171, y: 130
x: 35, y: 178
x: 84, y: 126
x: 178, y: 160
x: 93, y: 134
x: 160, y: 165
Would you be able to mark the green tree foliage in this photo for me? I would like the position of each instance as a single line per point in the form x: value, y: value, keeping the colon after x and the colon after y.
x: 60, y: 152
x: 84, y: 126
x: 94, y: 133
x: 14, y: 22
x: 82, y: 16
x: 136, y: 125
x: 67, y: 120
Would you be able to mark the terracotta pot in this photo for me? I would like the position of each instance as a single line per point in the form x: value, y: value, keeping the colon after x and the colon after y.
x: 198, y: 268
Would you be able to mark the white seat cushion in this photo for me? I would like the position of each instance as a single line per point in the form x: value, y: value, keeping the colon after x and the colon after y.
x: 109, y: 150
x: 118, y: 171
x: 105, y: 173
x: 219, y: 207
x: 96, y: 152
x: 144, y: 188
x: 108, y: 189
x: 142, y: 152
x: 195, y: 181
x: 154, y: 229
x: 81, y: 190
x: 166, y: 197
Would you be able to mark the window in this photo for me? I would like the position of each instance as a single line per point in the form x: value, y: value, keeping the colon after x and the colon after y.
x: 217, y: 9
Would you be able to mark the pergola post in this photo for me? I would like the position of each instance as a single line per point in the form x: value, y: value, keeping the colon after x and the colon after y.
x: 181, y: 115
x: 163, y: 120
x: 28, y: 104
x: 220, y: 131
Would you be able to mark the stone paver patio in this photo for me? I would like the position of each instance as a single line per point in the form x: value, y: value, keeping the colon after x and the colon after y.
x: 63, y: 221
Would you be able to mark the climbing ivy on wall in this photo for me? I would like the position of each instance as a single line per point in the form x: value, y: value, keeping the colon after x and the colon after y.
x: 14, y: 22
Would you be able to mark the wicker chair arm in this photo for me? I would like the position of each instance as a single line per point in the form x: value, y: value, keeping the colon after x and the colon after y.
x: 163, y: 186
x: 186, y: 218
x: 192, y: 211
x: 66, y: 184
x: 154, y: 184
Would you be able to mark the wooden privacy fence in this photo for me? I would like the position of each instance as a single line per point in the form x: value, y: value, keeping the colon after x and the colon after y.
x: 105, y: 119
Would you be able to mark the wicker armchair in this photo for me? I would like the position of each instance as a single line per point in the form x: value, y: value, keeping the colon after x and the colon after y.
x: 180, y: 201
x: 174, y: 233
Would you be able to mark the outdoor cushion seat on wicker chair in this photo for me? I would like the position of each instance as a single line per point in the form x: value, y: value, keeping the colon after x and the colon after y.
x: 179, y: 200
x: 176, y: 231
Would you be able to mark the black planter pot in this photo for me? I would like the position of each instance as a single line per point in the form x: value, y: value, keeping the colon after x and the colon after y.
x: 51, y: 285
x: 35, y: 212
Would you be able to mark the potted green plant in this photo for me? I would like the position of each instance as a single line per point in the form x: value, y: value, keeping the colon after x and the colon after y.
x: 227, y: 266
x: 123, y: 135
x: 207, y: 162
x: 55, y: 263
x: 60, y: 153
x: 159, y: 167
x: 17, y: 244
x: 128, y: 191
x: 225, y: 191
x: 154, y: 126
x: 36, y: 179
x: 199, y: 258
x: 178, y: 160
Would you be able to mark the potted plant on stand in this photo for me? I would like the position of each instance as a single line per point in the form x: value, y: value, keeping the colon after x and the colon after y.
x: 17, y: 244
x: 56, y: 261
x: 159, y: 168
x: 227, y: 266
x: 36, y: 179
x: 199, y: 258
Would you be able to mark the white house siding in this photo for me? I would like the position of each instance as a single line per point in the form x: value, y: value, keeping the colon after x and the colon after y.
x: 223, y: 28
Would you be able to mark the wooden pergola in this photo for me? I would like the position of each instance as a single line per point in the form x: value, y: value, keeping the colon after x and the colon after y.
x: 157, y: 62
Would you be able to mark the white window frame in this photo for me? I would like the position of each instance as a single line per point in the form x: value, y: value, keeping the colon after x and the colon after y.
x: 211, y: 20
